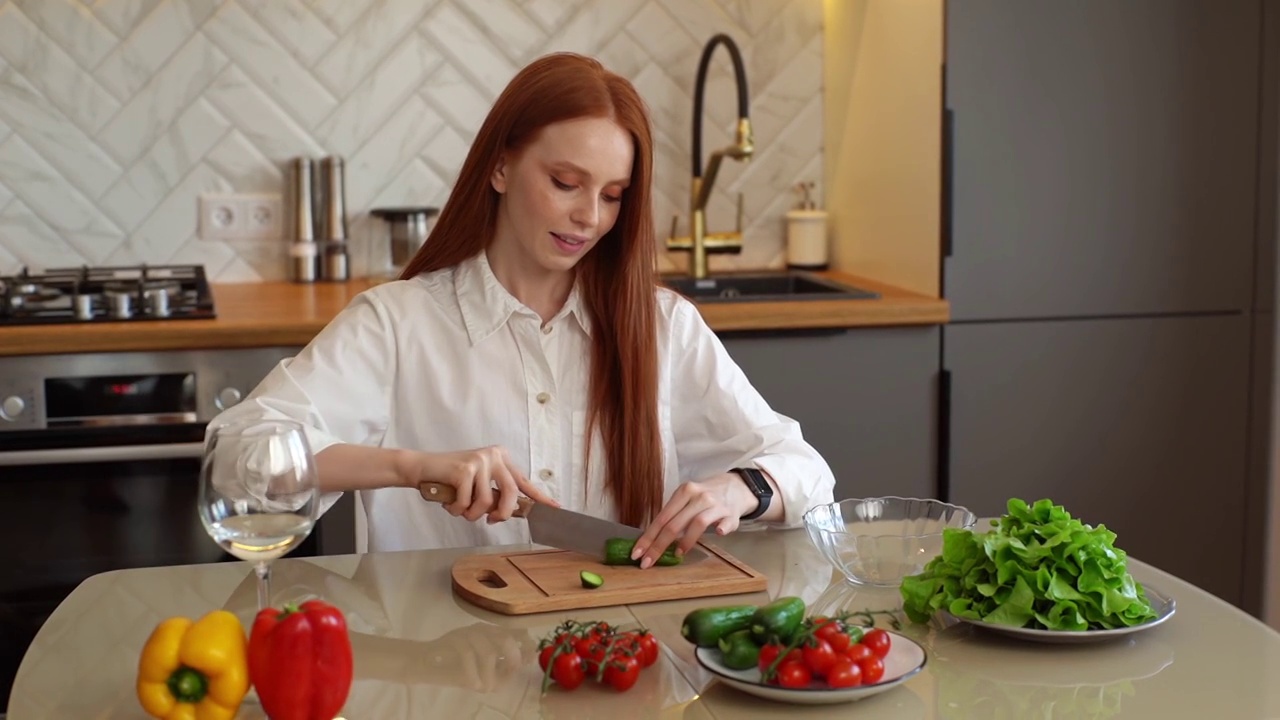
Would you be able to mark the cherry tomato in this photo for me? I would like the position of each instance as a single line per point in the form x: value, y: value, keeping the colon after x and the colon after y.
x: 844, y: 673
x: 872, y: 670
x: 878, y: 641
x: 646, y: 648
x: 793, y: 674
x: 838, y: 641
x: 592, y: 654
x: 544, y: 656
x: 567, y: 671
x: 770, y: 651
x: 826, y: 629
x: 858, y: 652
x: 818, y: 657
x: 621, y: 672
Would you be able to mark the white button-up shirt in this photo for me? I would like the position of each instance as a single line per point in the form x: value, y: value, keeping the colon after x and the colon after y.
x: 451, y: 361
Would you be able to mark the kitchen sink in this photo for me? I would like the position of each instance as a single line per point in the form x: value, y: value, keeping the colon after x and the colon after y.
x: 765, y: 287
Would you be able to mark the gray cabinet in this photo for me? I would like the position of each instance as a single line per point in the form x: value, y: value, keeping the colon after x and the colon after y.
x: 1102, y: 166
x: 865, y: 398
x: 1103, y: 156
x: 1139, y: 424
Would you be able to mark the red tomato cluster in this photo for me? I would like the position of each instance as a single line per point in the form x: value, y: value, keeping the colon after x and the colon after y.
x: 841, y: 656
x: 596, y: 650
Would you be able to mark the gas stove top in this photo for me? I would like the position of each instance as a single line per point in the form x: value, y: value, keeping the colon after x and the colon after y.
x: 105, y: 294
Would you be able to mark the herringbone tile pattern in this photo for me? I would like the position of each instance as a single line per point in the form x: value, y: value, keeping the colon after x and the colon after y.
x: 116, y: 114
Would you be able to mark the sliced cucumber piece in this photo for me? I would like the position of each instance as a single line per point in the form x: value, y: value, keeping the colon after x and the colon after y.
x: 590, y: 580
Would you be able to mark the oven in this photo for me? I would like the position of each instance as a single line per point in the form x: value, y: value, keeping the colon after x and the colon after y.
x: 99, y: 459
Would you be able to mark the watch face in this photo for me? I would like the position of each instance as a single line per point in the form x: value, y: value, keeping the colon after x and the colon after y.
x: 759, y: 487
x: 755, y: 480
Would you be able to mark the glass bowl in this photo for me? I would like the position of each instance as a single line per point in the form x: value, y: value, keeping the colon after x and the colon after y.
x: 878, y: 541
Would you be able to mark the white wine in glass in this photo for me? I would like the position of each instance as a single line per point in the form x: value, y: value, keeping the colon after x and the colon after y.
x: 259, y: 495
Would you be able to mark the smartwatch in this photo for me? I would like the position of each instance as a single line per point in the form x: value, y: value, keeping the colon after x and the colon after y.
x: 759, y: 487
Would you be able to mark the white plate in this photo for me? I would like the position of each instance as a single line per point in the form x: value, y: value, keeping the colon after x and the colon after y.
x: 1161, y: 603
x: 906, y: 658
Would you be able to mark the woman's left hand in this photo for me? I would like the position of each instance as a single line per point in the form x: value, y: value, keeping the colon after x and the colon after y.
x: 694, y: 507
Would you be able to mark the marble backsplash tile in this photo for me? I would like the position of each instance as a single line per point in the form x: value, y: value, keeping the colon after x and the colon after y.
x: 115, y: 115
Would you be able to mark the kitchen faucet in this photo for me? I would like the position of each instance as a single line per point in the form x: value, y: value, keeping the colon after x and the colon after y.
x: 699, y: 242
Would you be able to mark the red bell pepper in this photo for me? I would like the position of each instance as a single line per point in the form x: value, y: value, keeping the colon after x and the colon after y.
x: 300, y: 661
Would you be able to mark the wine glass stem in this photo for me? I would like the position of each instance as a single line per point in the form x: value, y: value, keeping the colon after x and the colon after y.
x: 263, y: 570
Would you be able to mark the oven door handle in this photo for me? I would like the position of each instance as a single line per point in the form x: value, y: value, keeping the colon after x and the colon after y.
x: 165, y: 451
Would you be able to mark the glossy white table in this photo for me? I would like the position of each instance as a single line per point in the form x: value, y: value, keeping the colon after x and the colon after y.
x: 422, y: 652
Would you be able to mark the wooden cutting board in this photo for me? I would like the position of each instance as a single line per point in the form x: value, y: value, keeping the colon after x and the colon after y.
x: 535, y: 581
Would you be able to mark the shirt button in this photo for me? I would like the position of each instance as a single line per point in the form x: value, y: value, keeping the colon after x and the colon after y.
x: 545, y: 473
x: 543, y: 398
x: 546, y: 329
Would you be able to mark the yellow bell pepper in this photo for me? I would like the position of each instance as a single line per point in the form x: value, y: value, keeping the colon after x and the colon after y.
x: 194, y: 671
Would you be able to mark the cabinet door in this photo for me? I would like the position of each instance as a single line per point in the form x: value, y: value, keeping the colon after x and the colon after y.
x: 1103, y: 156
x: 865, y: 399
x: 1138, y: 424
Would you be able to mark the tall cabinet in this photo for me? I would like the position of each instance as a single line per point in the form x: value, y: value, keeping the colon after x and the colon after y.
x: 1101, y: 173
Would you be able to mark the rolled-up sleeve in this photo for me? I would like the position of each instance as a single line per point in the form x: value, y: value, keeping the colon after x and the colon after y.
x: 720, y: 421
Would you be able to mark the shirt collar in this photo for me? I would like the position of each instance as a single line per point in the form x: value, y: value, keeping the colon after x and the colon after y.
x: 486, y: 305
x: 574, y: 306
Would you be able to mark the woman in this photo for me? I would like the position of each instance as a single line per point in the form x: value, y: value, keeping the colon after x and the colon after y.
x: 530, y: 320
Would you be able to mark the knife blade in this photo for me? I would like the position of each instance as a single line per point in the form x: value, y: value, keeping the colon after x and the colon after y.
x: 557, y: 527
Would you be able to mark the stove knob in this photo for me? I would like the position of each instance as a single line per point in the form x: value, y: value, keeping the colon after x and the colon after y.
x: 226, y: 398
x: 12, y: 407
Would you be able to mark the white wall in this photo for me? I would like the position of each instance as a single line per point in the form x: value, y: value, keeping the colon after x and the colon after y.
x: 115, y: 116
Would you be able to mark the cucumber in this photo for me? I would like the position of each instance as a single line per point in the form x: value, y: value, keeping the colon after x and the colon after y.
x: 590, y: 580
x: 705, y: 626
x: 738, y: 650
x: 617, y: 551
x: 778, y: 620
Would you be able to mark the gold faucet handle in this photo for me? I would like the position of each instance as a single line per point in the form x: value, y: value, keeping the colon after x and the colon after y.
x: 739, y: 220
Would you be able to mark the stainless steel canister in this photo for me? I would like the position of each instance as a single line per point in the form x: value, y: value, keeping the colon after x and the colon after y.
x: 408, y: 229
x: 303, y: 251
x: 335, y: 260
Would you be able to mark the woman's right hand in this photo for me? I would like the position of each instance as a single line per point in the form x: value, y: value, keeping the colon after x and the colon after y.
x: 482, y: 479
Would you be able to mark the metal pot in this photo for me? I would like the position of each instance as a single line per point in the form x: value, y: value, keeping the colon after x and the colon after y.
x: 409, y: 228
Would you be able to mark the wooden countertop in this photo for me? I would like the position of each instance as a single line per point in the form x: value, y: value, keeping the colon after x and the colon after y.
x: 290, y: 314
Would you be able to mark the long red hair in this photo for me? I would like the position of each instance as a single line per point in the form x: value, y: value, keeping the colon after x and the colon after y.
x: 616, y: 279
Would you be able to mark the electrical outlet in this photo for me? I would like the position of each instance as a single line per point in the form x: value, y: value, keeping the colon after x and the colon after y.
x: 240, y: 217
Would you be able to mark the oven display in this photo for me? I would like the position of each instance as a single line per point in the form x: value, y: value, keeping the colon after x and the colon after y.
x: 119, y: 389
x: 121, y: 399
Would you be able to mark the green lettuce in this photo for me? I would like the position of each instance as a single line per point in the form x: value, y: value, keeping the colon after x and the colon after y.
x: 1038, y: 567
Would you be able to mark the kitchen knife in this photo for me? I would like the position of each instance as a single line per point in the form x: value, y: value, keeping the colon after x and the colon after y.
x: 559, y: 528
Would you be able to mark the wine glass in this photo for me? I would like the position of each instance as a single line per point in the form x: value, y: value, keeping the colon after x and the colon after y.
x: 259, y: 495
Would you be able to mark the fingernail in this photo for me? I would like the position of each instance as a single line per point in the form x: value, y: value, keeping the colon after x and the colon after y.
x: 636, y: 552
x: 645, y: 563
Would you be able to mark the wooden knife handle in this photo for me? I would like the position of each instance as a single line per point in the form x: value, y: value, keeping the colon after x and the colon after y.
x: 445, y: 494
